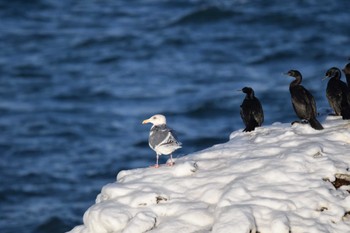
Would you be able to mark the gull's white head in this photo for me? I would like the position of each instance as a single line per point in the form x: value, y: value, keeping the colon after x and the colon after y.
x: 155, y: 120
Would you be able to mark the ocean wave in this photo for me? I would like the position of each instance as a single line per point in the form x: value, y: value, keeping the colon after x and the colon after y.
x: 273, y: 56
x: 31, y: 71
x: 99, y: 40
x: 204, y: 15
x: 208, y: 109
x: 53, y: 224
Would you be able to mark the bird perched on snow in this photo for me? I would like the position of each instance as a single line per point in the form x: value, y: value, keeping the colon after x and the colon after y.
x: 303, y: 102
x: 251, y: 110
x: 162, y: 139
x: 346, y: 71
x: 338, y: 94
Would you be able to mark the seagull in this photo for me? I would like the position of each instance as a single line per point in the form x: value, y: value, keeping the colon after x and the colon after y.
x: 162, y: 139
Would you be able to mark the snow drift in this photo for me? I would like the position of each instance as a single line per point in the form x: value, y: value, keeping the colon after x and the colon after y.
x: 277, y: 179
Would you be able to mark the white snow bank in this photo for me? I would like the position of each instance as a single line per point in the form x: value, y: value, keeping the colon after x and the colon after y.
x: 273, y: 180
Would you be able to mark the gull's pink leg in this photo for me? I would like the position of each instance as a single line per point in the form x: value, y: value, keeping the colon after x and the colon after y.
x: 171, y: 163
x: 156, y: 165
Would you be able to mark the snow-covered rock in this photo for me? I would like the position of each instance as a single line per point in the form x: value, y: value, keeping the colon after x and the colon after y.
x: 276, y: 179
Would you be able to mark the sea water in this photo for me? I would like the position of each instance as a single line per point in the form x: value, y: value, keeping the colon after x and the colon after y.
x: 78, y: 77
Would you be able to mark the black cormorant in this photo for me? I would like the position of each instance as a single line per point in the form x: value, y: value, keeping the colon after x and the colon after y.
x: 346, y: 71
x: 338, y: 94
x: 251, y: 110
x: 303, y: 102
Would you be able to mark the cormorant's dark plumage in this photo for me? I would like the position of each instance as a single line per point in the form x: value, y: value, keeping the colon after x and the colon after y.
x: 338, y: 94
x: 303, y: 102
x: 251, y: 110
x: 346, y: 71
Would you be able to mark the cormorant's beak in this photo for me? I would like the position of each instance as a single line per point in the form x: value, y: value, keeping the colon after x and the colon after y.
x: 325, y: 78
x: 287, y: 74
x: 239, y: 90
x: 145, y: 121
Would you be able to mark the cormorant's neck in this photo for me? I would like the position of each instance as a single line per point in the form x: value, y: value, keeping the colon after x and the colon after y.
x: 296, y: 81
x: 250, y: 95
x: 336, y: 75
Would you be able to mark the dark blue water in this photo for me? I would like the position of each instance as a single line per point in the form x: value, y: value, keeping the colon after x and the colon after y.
x: 78, y: 77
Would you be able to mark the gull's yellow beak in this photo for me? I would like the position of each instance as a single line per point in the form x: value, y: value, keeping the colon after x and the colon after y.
x: 145, y: 121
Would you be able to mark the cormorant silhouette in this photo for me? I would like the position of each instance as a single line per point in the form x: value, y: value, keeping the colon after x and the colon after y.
x: 303, y: 102
x: 346, y: 71
x: 251, y: 110
x: 338, y: 94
